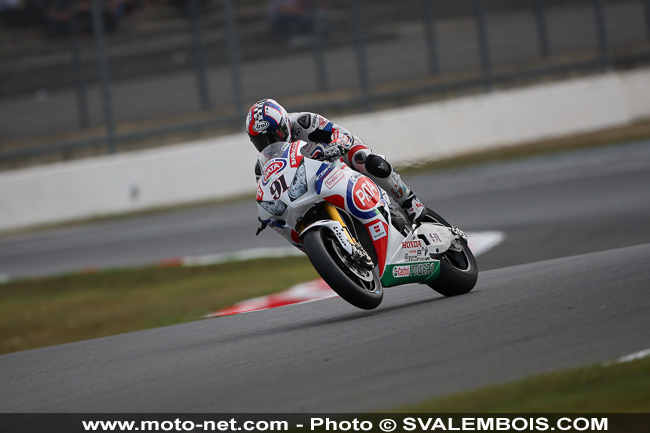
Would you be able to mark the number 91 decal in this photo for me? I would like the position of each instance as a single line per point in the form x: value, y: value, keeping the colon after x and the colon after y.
x: 278, y: 187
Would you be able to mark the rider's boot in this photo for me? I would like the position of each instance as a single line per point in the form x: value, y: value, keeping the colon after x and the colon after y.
x: 388, y: 179
x: 414, y: 209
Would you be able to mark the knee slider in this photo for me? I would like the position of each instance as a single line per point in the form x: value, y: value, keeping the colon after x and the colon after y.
x: 378, y: 166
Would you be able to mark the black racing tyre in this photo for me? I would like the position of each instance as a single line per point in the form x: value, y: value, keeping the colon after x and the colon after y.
x: 458, y: 269
x: 360, y: 287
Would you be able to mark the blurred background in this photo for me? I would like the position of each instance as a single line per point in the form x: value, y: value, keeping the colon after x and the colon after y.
x: 89, y: 77
x: 81, y: 78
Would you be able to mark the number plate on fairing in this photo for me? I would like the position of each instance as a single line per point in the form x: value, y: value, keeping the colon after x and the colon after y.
x: 438, y: 238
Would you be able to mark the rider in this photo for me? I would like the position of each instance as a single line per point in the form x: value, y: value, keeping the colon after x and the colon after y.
x: 268, y: 122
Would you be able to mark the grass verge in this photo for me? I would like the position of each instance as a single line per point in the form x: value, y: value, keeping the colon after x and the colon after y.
x: 47, y: 311
x: 616, y: 388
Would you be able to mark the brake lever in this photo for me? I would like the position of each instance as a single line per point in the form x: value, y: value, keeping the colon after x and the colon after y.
x: 262, y: 226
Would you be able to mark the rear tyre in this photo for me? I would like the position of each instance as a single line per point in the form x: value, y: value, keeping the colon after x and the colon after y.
x: 458, y: 269
x: 358, y: 286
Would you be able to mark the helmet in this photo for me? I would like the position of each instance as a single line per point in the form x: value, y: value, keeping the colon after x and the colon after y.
x: 267, y: 122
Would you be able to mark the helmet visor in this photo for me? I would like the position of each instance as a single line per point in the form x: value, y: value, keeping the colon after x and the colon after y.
x: 260, y: 141
x: 280, y: 133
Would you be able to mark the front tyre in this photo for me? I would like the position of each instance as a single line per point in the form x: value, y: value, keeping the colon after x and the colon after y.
x: 458, y: 269
x: 358, y: 286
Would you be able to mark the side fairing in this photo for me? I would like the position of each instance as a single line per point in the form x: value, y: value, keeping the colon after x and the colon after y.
x: 361, y: 198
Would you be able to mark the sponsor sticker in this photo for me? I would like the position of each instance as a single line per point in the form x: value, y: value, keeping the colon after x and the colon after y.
x: 366, y: 194
x: 334, y: 178
x: 260, y: 126
x: 412, y: 258
x: 412, y: 244
x: 414, y: 250
x: 323, y: 171
x: 260, y: 193
x: 377, y: 231
x: 422, y: 269
x: 414, y: 270
x: 294, y: 155
x: 401, y: 271
x: 273, y: 167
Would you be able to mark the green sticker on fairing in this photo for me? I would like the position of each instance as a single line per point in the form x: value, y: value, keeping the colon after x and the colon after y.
x: 406, y: 273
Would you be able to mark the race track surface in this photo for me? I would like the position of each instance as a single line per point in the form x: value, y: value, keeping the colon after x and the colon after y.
x: 326, y: 356
x: 567, y: 287
x: 548, y: 206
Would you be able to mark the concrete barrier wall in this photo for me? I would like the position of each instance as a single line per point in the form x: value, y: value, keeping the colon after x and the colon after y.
x: 222, y: 167
x: 449, y: 128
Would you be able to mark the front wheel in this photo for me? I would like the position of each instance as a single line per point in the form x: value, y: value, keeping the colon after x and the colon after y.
x: 458, y: 269
x: 357, y: 285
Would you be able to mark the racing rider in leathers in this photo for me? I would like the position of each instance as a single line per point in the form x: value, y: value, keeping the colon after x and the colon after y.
x: 268, y: 122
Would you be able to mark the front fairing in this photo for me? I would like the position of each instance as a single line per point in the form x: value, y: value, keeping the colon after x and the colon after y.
x: 292, y: 183
x: 286, y: 187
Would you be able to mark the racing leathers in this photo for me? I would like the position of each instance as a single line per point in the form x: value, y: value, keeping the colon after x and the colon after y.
x: 326, y: 140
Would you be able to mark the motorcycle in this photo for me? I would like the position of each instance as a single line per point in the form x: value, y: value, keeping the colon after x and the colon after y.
x: 357, y: 241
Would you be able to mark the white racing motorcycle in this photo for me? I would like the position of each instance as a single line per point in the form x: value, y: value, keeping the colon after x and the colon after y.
x: 357, y: 241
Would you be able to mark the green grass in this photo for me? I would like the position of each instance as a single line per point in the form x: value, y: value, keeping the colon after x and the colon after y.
x: 48, y: 311
x: 617, y: 388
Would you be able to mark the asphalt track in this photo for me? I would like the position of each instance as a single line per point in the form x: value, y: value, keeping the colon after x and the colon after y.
x: 326, y: 356
x: 548, y: 206
x: 567, y: 287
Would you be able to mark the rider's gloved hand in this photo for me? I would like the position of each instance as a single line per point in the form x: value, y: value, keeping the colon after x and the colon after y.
x: 334, y: 150
x: 339, y: 145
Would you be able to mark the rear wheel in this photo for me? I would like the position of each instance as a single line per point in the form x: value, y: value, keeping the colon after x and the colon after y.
x: 359, y: 286
x: 458, y: 269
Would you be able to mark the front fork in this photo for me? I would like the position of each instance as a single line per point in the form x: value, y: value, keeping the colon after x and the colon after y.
x: 334, y: 215
x: 358, y: 254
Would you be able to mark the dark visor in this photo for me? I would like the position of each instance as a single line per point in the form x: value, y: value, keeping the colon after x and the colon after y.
x: 281, y: 133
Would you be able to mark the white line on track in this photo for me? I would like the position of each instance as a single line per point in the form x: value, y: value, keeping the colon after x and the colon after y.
x: 631, y: 357
x: 479, y: 243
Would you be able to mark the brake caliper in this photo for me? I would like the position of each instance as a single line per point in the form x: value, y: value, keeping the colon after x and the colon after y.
x: 360, y: 256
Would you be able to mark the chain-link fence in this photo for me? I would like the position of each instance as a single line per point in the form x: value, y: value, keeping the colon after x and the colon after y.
x: 82, y: 77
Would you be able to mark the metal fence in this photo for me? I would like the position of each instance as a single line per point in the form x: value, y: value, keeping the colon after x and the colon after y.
x: 91, y: 80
